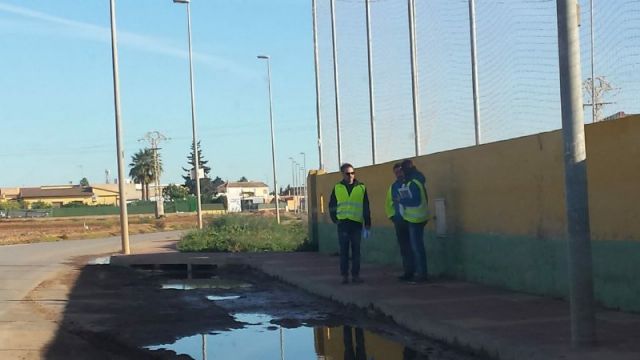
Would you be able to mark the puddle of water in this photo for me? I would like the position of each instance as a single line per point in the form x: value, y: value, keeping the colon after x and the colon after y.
x: 260, y: 339
x: 222, y: 298
x: 105, y: 260
x: 214, y: 283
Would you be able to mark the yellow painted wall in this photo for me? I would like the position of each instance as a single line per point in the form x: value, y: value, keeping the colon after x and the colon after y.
x: 329, y: 342
x: 105, y: 197
x: 516, y: 187
x: 64, y: 200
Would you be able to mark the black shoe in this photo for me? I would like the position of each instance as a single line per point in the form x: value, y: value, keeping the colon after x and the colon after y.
x: 421, y: 279
x: 405, y: 277
x: 357, y: 280
x: 345, y: 280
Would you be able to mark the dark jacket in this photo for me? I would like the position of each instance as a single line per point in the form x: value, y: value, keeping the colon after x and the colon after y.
x: 333, y: 205
x: 415, y: 174
x: 414, y: 200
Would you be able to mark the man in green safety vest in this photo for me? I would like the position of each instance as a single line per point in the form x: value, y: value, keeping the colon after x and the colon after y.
x: 349, y: 209
x: 414, y: 200
x: 394, y: 212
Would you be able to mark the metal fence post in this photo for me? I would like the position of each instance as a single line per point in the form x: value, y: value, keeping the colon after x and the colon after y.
x: 414, y: 74
x: 474, y: 70
x: 335, y: 78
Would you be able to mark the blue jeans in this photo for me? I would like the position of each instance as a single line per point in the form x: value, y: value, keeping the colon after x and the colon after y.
x: 416, y: 235
x: 349, y: 236
x: 404, y: 243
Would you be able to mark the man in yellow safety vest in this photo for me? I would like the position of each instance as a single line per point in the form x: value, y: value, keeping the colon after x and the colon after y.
x: 349, y: 209
x: 414, y: 201
x: 395, y: 212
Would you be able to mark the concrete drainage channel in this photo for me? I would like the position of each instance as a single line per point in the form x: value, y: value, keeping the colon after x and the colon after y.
x: 267, y: 319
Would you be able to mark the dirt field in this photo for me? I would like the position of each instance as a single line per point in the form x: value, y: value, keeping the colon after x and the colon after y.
x: 21, y: 231
x: 24, y: 231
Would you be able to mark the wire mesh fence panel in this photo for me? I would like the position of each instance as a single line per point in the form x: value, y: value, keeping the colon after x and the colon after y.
x: 616, y: 57
x: 518, y: 68
x: 517, y: 61
x: 353, y: 81
x: 327, y: 95
x: 444, y: 61
x: 392, y: 79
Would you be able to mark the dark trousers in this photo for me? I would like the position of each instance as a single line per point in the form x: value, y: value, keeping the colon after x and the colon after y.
x: 349, y: 233
x: 416, y: 236
x: 360, y: 352
x: 404, y: 242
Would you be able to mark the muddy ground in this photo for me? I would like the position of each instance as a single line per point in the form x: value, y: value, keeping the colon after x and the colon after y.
x: 114, y: 312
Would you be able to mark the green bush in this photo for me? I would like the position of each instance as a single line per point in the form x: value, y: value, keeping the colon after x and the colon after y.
x: 237, y: 233
x: 40, y: 205
x: 9, y: 205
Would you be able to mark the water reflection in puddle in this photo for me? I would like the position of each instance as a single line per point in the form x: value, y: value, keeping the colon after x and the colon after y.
x: 104, y: 260
x: 213, y: 283
x: 261, y: 339
x: 222, y: 298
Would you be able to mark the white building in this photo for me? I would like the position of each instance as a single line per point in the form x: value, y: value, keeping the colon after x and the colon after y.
x: 248, y: 192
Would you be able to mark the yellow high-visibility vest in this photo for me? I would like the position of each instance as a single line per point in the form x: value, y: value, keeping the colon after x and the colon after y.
x: 417, y: 214
x: 350, y: 206
x: 389, y: 209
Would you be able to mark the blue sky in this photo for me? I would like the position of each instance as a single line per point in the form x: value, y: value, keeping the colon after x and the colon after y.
x: 56, y: 103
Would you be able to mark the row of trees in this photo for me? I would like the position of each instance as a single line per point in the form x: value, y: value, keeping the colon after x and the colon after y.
x: 143, y: 171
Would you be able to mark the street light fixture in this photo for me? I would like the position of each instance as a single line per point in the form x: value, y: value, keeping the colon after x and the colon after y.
x: 293, y: 177
x: 273, y: 146
x: 196, y: 160
x: 296, y: 189
x: 304, y: 179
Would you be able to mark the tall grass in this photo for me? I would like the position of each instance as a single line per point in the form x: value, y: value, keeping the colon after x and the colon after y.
x: 241, y: 233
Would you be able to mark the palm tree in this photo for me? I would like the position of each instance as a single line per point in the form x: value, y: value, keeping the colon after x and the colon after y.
x: 143, y: 170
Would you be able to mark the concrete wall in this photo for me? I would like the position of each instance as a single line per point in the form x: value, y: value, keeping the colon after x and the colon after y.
x: 506, y: 212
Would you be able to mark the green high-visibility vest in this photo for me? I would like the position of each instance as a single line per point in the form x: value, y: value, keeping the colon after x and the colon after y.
x: 417, y: 214
x: 389, y: 209
x: 350, y: 206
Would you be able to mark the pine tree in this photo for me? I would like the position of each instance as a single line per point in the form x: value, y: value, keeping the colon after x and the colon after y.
x: 188, y: 182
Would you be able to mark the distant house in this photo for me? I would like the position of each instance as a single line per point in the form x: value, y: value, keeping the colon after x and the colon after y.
x: 109, y: 194
x: 7, y: 194
x: 241, y: 194
x: 58, y: 195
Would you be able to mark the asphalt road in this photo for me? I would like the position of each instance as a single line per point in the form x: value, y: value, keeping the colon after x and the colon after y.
x: 23, y: 267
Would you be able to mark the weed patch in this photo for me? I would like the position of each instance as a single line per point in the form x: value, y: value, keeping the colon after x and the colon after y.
x: 239, y: 233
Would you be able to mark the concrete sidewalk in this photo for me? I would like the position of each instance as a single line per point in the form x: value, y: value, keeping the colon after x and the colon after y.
x: 502, y: 324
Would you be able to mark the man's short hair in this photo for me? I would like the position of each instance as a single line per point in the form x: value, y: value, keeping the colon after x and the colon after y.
x: 407, y: 164
x: 397, y: 165
x: 344, y: 166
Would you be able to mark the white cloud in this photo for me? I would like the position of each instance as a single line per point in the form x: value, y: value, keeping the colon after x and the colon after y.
x: 83, y: 30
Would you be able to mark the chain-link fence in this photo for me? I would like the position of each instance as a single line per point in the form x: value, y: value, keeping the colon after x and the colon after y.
x: 517, y: 60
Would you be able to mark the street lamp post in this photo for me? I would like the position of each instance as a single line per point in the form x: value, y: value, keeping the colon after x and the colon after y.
x: 304, y: 179
x: 296, y: 183
x: 196, y: 160
x: 293, y: 178
x: 299, y: 184
x: 124, y: 219
x: 273, y: 146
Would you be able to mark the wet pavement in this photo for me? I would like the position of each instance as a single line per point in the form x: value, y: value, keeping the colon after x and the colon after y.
x: 492, y: 322
x: 278, y: 321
